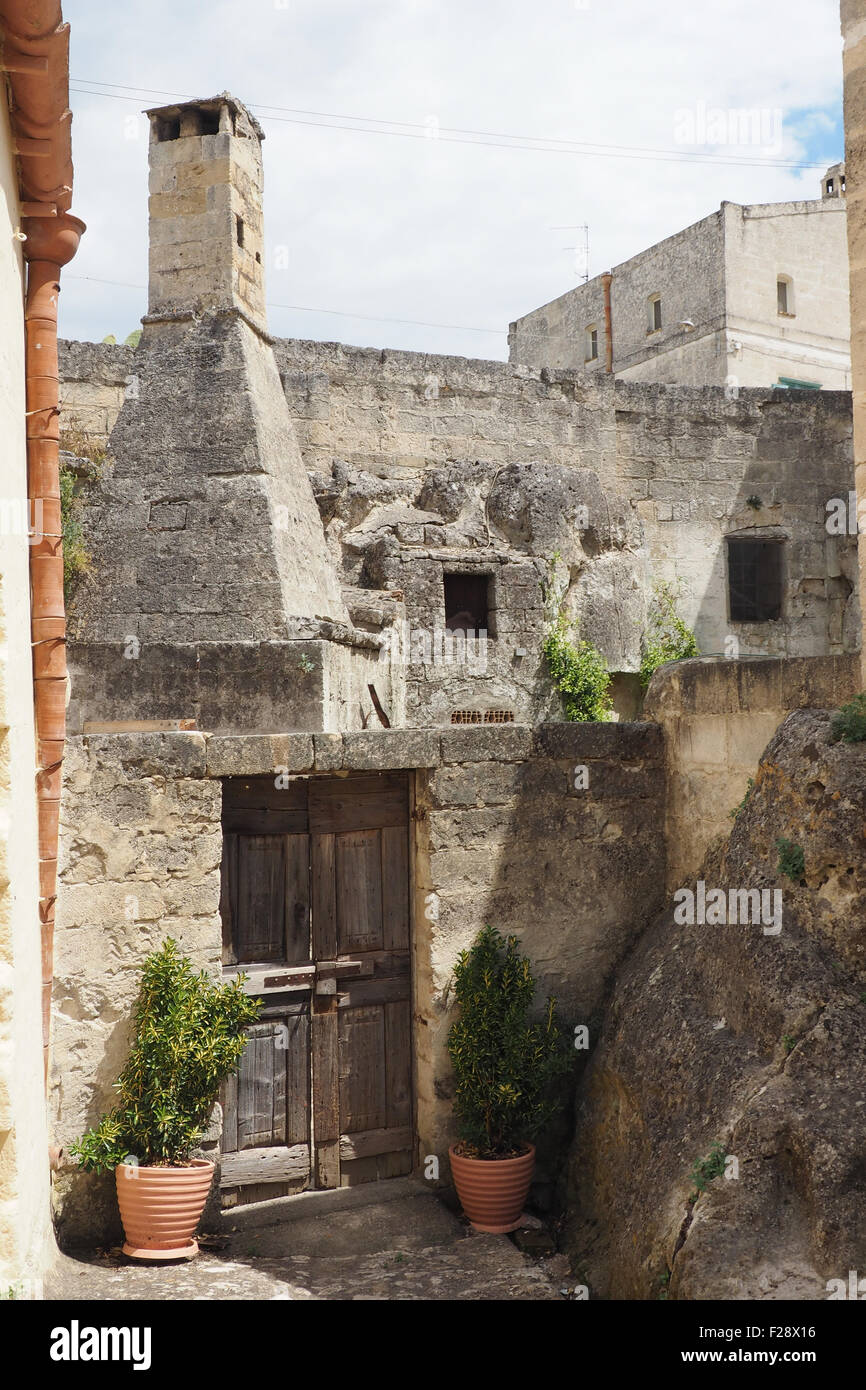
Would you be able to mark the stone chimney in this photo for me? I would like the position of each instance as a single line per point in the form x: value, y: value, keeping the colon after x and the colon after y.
x: 206, y: 225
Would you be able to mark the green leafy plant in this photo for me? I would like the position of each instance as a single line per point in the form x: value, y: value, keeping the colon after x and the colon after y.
x: 741, y: 806
x: 792, y: 860
x: 506, y: 1065
x: 848, y: 724
x: 579, y: 672
x: 577, y: 668
x: 706, y: 1169
x: 788, y: 1043
x: 76, y: 556
x: 666, y: 638
x: 188, y: 1037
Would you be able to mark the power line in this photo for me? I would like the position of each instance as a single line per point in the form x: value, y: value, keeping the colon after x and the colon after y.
x: 307, y: 309
x: 457, y: 135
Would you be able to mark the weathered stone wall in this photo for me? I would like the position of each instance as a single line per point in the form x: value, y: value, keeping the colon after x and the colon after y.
x: 718, y: 716
x: 699, y: 467
x: 427, y: 465
x: 141, y: 846
x: 505, y: 836
x: 502, y: 832
x: 94, y: 380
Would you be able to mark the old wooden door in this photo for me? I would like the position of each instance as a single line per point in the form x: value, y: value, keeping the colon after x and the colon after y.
x: 315, y: 908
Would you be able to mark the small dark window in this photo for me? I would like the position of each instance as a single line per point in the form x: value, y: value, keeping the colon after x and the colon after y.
x: 467, y: 604
x: 240, y: 222
x: 210, y: 123
x: 755, y: 580
x: 167, y: 129
x: 843, y: 183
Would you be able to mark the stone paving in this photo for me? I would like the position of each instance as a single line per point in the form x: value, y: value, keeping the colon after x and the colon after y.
x: 411, y: 1247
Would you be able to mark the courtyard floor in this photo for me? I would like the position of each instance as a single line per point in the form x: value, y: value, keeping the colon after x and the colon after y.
x: 400, y: 1242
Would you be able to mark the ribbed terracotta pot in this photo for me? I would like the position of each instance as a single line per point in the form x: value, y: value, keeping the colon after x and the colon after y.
x: 161, y: 1207
x: 492, y: 1191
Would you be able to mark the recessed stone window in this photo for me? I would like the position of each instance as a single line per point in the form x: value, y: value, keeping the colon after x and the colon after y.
x: 755, y: 579
x: 654, y: 313
x: 785, y: 296
x: 592, y: 343
x: 467, y: 602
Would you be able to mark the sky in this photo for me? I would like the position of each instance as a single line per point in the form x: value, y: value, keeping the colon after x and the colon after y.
x: 430, y: 165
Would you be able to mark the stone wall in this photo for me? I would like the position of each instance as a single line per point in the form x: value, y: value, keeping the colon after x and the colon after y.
x: 94, y: 381
x: 718, y: 717
x: 699, y: 467
x: 505, y: 836
x: 503, y: 831
x: 423, y: 466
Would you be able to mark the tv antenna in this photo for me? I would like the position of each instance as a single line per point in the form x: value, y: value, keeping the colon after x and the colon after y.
x: 581, y: 250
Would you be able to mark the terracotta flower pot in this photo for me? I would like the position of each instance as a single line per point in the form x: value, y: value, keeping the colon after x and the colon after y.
x: 161, y: 1207
x: 492, y: 1191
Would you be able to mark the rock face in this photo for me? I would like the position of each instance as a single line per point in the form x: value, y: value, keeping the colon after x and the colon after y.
x: 746, y: 1036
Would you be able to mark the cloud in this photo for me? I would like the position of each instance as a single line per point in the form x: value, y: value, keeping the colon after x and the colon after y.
x: 409, y: 226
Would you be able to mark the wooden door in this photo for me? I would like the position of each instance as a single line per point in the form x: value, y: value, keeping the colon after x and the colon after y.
x: 315, y: 908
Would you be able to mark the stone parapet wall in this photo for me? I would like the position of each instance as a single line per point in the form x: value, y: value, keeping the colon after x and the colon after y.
x: 718, y: 716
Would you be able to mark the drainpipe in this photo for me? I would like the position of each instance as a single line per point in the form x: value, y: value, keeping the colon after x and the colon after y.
x: 35, y: 61
x: 608, y: 321
x: 51, y: 242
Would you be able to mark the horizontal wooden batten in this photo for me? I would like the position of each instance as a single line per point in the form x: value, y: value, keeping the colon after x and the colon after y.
x: 374, y: 1141
x: 279, y: 1164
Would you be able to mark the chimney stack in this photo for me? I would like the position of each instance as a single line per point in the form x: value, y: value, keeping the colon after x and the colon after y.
x: 206, y: 225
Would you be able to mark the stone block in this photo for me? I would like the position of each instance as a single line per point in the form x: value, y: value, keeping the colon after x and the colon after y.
x: 383, y: 749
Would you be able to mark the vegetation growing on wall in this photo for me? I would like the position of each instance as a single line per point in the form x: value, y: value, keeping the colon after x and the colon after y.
x: 667, y: 638
x: 90, y: 457
x: 792, y: 860
x: 576, y: 667
x: 848, y: 724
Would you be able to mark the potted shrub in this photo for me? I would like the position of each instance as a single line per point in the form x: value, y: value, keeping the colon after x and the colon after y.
x: 506, y: 1067
x: 188, y: 1037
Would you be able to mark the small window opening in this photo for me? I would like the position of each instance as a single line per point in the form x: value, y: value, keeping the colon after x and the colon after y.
x: 240, y: 226
x: 210, y: 122
x: 830, y: 188
x: 467, y: 602
x: 592, y: 343
x: 842, y: 184
x: 785, y: 295
x: 755, y: 580
x: 167, y: 129
x: 654, y: 318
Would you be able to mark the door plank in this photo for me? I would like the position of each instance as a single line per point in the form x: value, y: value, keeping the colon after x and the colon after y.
x: 395, y: 888
x: 256, y: 1087
x: 298, y: 1079
x: 398, y: 1064
x: 298, y: 942
x: 324, y: 898
x: 228, y: 897
x: 265, y: 1165
x: 326, y: 1098
x: 359, y: 892
x: 363, y: 1102
x: 261, y: 898
x: 374, y: 1141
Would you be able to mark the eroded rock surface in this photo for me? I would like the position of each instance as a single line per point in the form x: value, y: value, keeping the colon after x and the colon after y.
x: 754, y: 1039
